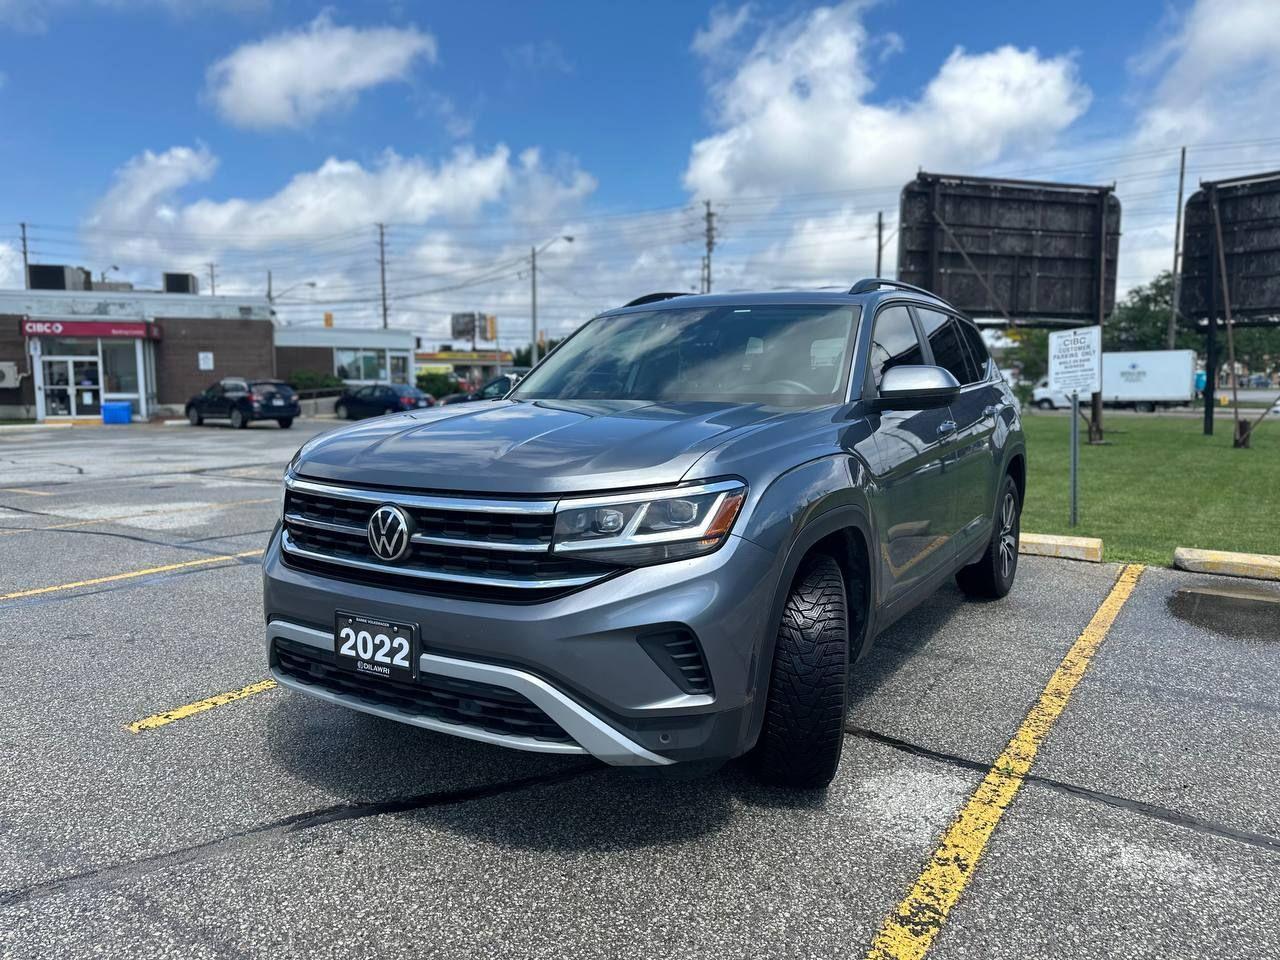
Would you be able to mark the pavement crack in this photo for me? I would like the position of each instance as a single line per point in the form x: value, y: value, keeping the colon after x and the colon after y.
x: 294, y: 823
x: 1154, y: 811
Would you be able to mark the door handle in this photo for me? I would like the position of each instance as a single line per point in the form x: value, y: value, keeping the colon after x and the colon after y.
x: 946, y: 428
x: 989, y: 410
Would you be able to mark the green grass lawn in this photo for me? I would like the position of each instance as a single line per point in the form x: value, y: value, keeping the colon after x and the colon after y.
x: 1157, y: 483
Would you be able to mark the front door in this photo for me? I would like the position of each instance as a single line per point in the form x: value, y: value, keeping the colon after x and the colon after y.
x: 72, y: 387
x: 915, y: 496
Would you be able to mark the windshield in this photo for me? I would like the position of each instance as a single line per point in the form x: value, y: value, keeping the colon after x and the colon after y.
x: 791, y: 354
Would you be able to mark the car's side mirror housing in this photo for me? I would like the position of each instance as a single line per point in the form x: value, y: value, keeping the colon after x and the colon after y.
x: 916, y: 387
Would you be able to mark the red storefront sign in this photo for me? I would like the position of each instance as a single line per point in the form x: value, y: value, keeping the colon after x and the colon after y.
x: 90, y: 328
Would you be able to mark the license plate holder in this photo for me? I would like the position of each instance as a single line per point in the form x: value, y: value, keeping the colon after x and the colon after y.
x: 375, y: 647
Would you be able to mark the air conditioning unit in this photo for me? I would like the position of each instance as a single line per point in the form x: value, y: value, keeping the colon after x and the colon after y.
x: 181, y: 283
x: 8, y: 374
x: 57, y: 276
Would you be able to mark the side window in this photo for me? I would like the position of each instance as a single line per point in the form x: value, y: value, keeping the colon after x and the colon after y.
x: 977, y: 349
x: 893, y: 342
x: 365, y: 393
x: 234, y: 386
x: 943, y: 334
x: 215, y: 390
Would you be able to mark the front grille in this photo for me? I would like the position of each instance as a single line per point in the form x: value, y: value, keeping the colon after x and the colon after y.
x: 462, y: 702
x: 471, y: 548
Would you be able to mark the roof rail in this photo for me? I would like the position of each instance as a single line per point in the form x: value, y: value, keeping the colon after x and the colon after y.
x: 653, y: 298
x: 871, y: 284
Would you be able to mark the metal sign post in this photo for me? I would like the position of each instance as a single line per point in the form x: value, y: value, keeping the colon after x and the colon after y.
x: 1075, y: 367
x: 1075, y: 457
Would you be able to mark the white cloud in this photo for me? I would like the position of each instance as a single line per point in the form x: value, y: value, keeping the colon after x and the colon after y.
x: 724, y: 25
x: 10, y: 267
x: 289, y: 79
x: 797, y: 112
x: 538, y: 56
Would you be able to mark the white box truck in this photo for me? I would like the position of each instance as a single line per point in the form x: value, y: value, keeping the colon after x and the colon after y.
x: 1140, y: 379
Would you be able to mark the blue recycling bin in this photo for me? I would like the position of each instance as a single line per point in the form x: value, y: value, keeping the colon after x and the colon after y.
x: 117, y: 411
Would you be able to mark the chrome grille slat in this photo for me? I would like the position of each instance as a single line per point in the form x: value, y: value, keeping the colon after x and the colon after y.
x: 421, y: 501
x: 426, y: 574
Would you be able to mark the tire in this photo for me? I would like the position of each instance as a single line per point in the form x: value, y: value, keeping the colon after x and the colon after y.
x: 238, y: 419
x: 1146, y: 407
x: 803, y: 730
x: 1044, y: 404
x: 991, y: 576
x: 193, y: 415
x: 285, y: 422
x: 342, y: 412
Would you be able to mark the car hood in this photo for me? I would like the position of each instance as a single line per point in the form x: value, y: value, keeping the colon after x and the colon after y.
x: 538, y: 447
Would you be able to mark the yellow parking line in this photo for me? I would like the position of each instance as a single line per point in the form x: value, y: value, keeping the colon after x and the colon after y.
x: 30, y: 493
x: 166, y: 568
x: 200, y: 706
x: 143, y: 513
x: 908, y: 932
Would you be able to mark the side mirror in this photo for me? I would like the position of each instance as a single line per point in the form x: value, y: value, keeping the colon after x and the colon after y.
x: 916, y: 388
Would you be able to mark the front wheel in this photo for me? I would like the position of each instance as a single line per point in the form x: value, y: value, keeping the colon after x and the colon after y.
x: 340, y: 411
x: 193, y: 415
x: 803, y: 731
x: 991, y: 576
x: 238, y: 419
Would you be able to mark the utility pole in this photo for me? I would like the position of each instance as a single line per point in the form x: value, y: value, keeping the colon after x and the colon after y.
x: 213, y: 280
x: 1177, y: 268
x: 26, y: 278
x: 533, y: 306
x: 382, y: 269
x: 268, y: 287
x: 711, y: 243
x: 879, y: 239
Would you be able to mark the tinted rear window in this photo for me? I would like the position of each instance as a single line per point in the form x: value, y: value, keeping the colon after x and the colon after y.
x: 267, y: 388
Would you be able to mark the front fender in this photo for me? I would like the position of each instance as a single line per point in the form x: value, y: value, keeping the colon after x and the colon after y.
x: 796, y: 511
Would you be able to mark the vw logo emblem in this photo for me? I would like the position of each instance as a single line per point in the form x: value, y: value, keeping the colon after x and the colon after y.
x: 390, y: 530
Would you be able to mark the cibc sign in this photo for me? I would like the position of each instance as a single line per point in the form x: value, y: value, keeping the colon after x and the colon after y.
x: 90, y: 328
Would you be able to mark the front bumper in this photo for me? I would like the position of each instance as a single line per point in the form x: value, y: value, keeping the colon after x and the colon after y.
x: 577, y: 657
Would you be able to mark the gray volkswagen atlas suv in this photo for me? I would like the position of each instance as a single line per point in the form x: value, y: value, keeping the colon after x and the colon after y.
x: 670, y: 543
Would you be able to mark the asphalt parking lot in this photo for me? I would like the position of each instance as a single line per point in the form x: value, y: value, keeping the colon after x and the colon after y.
x: 266, y: 825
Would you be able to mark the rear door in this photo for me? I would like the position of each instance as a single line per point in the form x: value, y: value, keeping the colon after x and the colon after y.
x: 914, y: 497
x: 957, y: 345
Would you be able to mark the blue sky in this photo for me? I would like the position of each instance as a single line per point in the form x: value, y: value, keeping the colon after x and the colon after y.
x: 264, y: 134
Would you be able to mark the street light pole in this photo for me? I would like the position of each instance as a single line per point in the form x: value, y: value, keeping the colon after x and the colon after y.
x: 533, y: 295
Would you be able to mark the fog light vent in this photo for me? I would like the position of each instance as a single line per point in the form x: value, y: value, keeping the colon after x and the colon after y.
x: 679, y: 656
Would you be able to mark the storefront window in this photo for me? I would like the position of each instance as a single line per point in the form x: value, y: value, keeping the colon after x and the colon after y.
x: 119, y: 366
x: 399, y: 368
x: 346, y: 364
x: 64, y: 347
x: 373, y: 365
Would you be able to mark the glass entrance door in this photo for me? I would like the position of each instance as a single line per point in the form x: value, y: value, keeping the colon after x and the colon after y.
x: 72, y: 387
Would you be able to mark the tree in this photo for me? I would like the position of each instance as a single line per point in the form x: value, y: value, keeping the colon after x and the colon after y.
x: 523, y: 356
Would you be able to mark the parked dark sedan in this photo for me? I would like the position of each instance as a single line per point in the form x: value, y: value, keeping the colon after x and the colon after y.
x: 495, y: 389
x: 374, y: 400
x: 242, y: 401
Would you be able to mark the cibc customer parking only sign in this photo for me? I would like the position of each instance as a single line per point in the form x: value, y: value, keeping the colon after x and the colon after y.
x: 1075, y: 361
x: 1075, y: 368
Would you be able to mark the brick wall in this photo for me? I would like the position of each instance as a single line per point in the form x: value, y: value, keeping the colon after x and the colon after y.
x: 13, y: 347
x: 289, y: 360
x: 241, y: 348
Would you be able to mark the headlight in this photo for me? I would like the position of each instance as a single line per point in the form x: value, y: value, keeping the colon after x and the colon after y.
x: 650, y: 527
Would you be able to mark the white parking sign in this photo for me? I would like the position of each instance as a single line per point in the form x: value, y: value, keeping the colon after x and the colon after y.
x: 1075, y: 361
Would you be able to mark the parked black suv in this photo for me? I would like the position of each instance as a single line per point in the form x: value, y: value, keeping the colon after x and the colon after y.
x: 242, y: 401
x: 669, y: 543
x: 377, y: 399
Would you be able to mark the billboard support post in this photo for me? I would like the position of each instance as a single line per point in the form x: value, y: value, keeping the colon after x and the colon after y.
x: 1095, y: 419
x: 1238, y: 438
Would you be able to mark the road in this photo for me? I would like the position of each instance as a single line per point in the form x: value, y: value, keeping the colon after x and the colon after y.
x: 241, y: 820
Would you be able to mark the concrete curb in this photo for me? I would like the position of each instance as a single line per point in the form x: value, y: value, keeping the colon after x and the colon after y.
x: 1258, y: 566
x: 1088, y: 549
